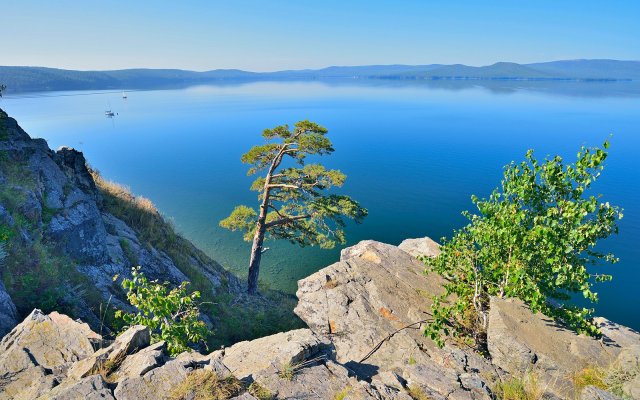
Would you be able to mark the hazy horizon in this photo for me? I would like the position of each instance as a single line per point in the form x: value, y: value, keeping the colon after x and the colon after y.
x: 318, y: 68
x: 280, y: 35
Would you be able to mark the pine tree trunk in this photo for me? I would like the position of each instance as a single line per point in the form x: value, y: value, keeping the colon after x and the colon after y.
x: 261, y: 229
x: 254, y: 262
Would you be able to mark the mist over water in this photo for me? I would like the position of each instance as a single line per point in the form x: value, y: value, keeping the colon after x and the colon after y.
x: 414, y: 153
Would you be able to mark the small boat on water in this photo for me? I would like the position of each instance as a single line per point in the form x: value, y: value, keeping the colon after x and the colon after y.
x: 109, y: 114
x: 124, y: 95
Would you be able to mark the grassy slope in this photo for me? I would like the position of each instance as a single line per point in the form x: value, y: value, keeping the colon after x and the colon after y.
x: 237, y: 316
x: 37, y: 275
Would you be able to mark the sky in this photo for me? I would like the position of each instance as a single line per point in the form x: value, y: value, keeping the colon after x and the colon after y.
x: 268, y: 35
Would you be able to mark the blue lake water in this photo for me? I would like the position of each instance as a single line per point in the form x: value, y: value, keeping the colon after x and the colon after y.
x: 413, y: 153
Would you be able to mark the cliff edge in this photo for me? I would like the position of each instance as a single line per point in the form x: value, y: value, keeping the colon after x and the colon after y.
x: 68, y: 232
x: 364, y: 342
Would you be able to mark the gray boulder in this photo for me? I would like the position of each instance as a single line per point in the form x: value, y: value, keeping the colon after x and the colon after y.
x: 594, y: 393
x: 135, y: 338
x: 269, y: 354
x: 36, y: 353
x: 90, y: 388
x: 420, y: 247
x: 160, y: 382
x: 520, y: 341
x: 142, y: 362
x: 326, y: 380
x: 371, y: 306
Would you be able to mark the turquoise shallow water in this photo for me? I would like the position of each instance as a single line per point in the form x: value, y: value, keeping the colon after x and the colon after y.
x: 413, y: 155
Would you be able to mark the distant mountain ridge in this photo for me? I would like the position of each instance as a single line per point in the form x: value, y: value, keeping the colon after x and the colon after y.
x: 28, y: 79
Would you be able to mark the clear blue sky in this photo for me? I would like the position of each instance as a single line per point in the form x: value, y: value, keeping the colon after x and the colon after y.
x: 266, y: 35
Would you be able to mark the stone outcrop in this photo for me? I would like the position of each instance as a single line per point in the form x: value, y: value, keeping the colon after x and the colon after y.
x: 36, y: 353
x: 53, y: 207
x: 420, y: 247
x: 252, y: 358
x: 134, y: 338
x: 8, y: 312
x: 370, y: 306
x: 520, y: 341
x: 364, y: 341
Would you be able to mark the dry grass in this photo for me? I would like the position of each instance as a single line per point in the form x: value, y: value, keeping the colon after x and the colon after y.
x: 205, y: 385
x: 124, y: 193
x: 330, y: 284
x: 260, y: 392
x: 106, y: 368
x: 612, y: 378
x: 417, y: 393
x: 590, y: 376
x: 341, y: 395
x: 289, y: 370
x: 519, y: 388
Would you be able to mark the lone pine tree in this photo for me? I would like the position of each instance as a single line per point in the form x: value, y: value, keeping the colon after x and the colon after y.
x: 294, y: 202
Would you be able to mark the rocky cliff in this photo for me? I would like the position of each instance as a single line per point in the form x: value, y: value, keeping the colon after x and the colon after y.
x: 363, y: 342
x: 67, y: 233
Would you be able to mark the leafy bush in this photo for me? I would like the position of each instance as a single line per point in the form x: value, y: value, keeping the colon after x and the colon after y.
x: 534, y: 240
x: 171, y: 315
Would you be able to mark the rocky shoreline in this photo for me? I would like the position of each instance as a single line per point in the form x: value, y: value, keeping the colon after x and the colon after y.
x: 68, y: 232
x: 364, y: 342
x: 363, y: 314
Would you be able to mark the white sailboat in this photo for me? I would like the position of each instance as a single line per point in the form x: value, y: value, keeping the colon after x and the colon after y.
x: 108, y: 113
x: 124, y: 95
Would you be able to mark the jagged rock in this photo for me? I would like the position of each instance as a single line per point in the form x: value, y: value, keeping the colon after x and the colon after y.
x: 90, y: 388
x: 49, y: 340
x: 632, y: 387
x: 74, y: 165
x: 37, y: 352
x: 252, y: 358
x: 28, y: 384
x: 321, y: 381
x: 434, y: 380
x: 628, y: 363
x: 80, y: 232
x: 142, y: 362
x: 160, y: 382
x: 420, y: 247
x: 67, y: 211
x: 8, y: 313
x: 369, y: 306
x: 616, y: 333
x: 521, y: 341
x: 594, y: 393
x: 134, y: 338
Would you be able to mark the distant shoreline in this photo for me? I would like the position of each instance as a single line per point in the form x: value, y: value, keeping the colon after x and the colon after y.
x: 41, y: 79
